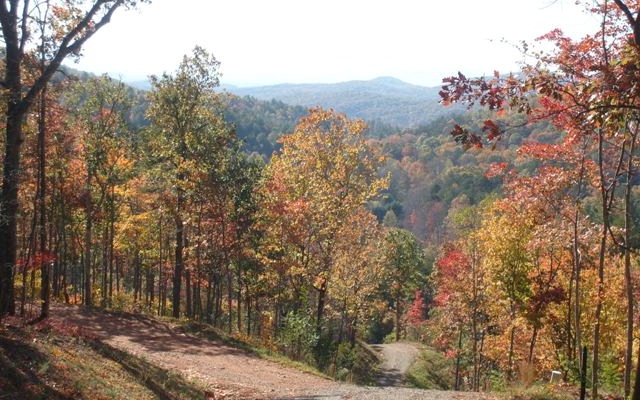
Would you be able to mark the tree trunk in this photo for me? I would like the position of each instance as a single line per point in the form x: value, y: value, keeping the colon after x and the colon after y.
x: 604, y: 198
x: 9, y: 200
x: 104, y: 263
x: 177, y: 272
x: 229, y: 298
x: 628, y: 280
x: 532, y: 344
x: 88, y: 238
x: 577, y: 345
x: 636, y: 384
x: 398, y: 317
x: 512, y: 337
x: 322, y: 291
x: 15, y: 112
x: 44, y: 268
x: 188, y: 293
x: 209, y: 304
x: 458, y: 358
x: 249, y: 310
x: 239, y: 299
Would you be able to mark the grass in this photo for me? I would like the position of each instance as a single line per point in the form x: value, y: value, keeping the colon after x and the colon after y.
x: 431, y: 370
x: 39, y: 362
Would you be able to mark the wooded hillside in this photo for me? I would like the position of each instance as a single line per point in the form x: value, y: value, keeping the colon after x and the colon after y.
x: 504, y: 234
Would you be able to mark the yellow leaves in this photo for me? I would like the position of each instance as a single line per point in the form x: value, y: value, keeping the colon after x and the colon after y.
x: 312, y: 206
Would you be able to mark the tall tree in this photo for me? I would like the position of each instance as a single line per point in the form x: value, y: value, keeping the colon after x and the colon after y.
x: 326, y: 173
x: 100, y: 107
x: 187, y: 138
x: 404, y: 262
x: 70, y: 25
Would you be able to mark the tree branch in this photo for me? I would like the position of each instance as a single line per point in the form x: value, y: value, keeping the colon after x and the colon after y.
x: 633, y: 21
x: 73, y: 42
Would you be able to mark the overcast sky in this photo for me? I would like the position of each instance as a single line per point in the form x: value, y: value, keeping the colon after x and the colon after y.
x: 261, y: 42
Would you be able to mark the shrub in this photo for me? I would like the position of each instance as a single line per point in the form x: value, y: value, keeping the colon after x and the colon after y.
x: 297, y: 337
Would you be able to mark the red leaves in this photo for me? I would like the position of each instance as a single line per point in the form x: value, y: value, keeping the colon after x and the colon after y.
x: 452, y: 265
x: 490, y: 93
x: 466, y: 138
x: 417, y: 312
x: 496, y: 169
x: 36, y: 261
x: 492, y: 129
x: 487, y: 93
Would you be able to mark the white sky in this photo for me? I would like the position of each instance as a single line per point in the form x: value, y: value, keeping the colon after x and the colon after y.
x: 261, y: 42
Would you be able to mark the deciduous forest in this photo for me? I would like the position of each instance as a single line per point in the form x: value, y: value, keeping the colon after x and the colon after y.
x: 503, y: 234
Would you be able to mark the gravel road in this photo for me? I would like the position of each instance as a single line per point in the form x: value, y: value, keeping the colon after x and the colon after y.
x: 396, y: 360
x: 232, y: 373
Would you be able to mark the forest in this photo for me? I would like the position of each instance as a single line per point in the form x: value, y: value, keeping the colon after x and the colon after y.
x: 503, y: 234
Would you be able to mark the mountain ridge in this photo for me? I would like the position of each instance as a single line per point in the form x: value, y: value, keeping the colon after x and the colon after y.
x: 385, y: 99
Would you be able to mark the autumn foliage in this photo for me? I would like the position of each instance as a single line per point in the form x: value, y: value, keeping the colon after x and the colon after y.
x: 556, y: 252
x: 338, y: 236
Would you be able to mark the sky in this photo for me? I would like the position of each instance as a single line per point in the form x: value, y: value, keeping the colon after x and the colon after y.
x: 260, y: 42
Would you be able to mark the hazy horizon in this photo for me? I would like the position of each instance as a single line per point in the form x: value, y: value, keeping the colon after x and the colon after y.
x: 288, y: 41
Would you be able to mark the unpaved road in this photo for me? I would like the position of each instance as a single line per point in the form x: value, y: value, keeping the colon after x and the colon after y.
x: 229, y: 372
x: 396, y: 360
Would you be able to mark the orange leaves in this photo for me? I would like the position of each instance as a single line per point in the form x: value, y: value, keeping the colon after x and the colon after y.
x: 316, y: 232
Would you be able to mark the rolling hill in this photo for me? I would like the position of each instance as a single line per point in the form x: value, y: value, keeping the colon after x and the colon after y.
x: 386, y: 100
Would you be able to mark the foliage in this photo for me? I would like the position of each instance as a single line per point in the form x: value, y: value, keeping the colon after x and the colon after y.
x: 37, y: 39
x: 259, y: 124
x: 577, y: 88
x: 353, y: 363
x: 405, y: 268
x: 190, y: 138
x: 342, y: 234
x: 297, y: 337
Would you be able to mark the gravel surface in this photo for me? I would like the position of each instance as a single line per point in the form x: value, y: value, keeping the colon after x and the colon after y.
x: 396, y: 360
x: 231, y: 373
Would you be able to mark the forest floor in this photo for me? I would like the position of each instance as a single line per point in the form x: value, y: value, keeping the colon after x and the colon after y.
x: 227, y: 372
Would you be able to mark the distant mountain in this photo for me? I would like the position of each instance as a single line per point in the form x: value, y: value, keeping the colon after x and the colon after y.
x: 144, y: 84
x: 387, y: 100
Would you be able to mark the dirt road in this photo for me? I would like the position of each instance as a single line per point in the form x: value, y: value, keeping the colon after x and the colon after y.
x: 229, y: 372
x: 396, y: 360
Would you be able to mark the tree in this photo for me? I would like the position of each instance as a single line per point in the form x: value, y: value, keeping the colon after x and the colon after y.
x: 359, y: 269
x: 325, y: 174
x: 461, y: 307
x: 70, y: 25
x: 588, y: 87
x: 100, y: 107
x: 186, y: 139
x: 404, y: 263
